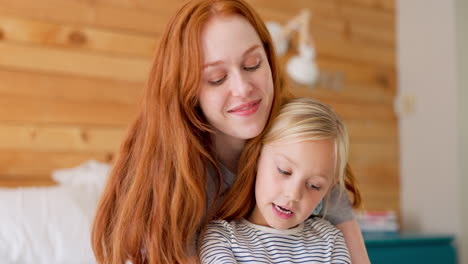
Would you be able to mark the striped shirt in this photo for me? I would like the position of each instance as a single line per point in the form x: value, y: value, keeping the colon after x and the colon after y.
x: 314, y: 241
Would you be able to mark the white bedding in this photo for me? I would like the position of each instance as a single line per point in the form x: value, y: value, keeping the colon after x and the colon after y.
x: 51, y: 224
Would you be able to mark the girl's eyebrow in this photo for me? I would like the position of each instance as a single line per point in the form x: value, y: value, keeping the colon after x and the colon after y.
x: 286, y: 158
x: 320, y: 175
x: 249, y: 50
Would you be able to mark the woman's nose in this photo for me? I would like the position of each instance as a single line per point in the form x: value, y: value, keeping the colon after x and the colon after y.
x: 241, y: 87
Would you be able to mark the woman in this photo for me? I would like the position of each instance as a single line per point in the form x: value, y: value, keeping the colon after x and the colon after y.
x: 213, y: 86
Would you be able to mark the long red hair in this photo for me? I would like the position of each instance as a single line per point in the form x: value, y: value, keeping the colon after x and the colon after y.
x: 154, y: 202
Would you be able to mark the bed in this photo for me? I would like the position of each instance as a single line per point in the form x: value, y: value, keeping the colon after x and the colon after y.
x: 52, y: 224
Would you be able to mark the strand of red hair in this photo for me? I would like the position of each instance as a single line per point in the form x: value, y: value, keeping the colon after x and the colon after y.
x: 154, y: 202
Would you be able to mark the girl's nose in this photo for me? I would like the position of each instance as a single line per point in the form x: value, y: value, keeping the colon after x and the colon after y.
x: 294, y: 191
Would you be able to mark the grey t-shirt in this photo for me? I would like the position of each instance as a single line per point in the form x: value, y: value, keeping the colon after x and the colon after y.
x: 339, y: 209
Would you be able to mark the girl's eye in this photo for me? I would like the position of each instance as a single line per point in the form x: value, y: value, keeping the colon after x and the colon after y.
x: 254, y: 67
x: 284, y: 172
x: 217, y: 82
x: 313, y: 186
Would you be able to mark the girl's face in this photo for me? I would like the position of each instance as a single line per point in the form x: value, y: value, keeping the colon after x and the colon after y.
x: 292, y: 179
x: 237, y: 86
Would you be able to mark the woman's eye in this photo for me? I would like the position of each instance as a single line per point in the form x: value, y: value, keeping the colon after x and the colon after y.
x: 217, y: 82
x: 254, y: 67
x: 284, y: 172
x: 313, y: 186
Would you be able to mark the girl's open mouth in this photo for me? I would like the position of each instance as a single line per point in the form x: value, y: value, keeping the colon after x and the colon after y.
x: 282, y: 212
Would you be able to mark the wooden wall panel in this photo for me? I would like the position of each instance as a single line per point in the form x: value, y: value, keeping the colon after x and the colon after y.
x: 59, y: 138
x: 38, y: 32
x: 71, y: 74
x: 73, y: 62
x: 25, y: 165
x: 38, y: 85
x: 32, y: 110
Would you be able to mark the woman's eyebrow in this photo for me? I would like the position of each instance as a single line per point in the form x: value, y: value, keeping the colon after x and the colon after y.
x: 251, y: 49
x: 214, y: 63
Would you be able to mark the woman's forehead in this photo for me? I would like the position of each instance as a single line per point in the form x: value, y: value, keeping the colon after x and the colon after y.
x: 227, y: 37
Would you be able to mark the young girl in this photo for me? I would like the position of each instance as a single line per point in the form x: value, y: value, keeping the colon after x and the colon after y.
x: 301, y: 157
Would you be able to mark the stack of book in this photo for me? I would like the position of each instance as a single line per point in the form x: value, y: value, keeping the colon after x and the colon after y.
x: 377, y: 221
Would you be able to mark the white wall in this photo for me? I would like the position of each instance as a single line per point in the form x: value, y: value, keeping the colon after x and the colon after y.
x: 432, y: 187
x: 462, y: 41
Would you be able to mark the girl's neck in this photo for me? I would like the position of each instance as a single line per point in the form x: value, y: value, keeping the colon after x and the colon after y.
x: 228, y: 149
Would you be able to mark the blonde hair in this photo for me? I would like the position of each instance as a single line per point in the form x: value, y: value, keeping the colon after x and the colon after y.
x: 299, y: 119
x: 304, y: 119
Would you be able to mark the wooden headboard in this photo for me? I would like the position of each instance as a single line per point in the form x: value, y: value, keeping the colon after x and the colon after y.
x: 71, y: 73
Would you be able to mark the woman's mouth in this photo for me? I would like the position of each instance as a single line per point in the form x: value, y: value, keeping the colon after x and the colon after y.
x: 246, y: 109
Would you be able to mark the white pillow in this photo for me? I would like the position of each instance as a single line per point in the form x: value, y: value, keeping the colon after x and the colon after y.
x: 90, y: 173
x: 52, y: 224
x: 47, y: 225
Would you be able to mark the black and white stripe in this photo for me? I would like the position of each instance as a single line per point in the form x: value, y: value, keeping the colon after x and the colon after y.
x: 314, y: 241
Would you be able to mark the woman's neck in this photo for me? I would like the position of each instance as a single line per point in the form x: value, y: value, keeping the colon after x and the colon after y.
x: 228, y: 149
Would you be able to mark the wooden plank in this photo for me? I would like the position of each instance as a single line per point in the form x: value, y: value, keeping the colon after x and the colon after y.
x: 356, y: 74
x: 381, y: 5
x: 372, y: 130
x: 350, y: 81
x: 151, y: 5
x: 337, y: 47
x: 12, y: 184
x: 377, y: 174
x: 89, y: 13
x: 387, y: 5
x: 38, y: 165
x: 30, y: 31
x: 380, y: 198
x: 364, y: 111
x: 373, y: 152
x: 19, y: 85
x: 374, y: 17
x: 60, y: 138
x: 318, y: 8
x: 354, y: 93
x: 349, y: 110
x: 363, y: 32
x: 48, y: 111
x: 73, y: 62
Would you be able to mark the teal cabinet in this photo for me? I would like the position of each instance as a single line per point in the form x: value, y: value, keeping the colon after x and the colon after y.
x: 393, y: 248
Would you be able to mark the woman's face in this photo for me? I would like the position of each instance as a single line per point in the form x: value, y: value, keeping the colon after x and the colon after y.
x: 237, y: 86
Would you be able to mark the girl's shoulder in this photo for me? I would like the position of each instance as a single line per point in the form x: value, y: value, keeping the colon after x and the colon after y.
x: 322, y: 228
x: 219, y: 225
